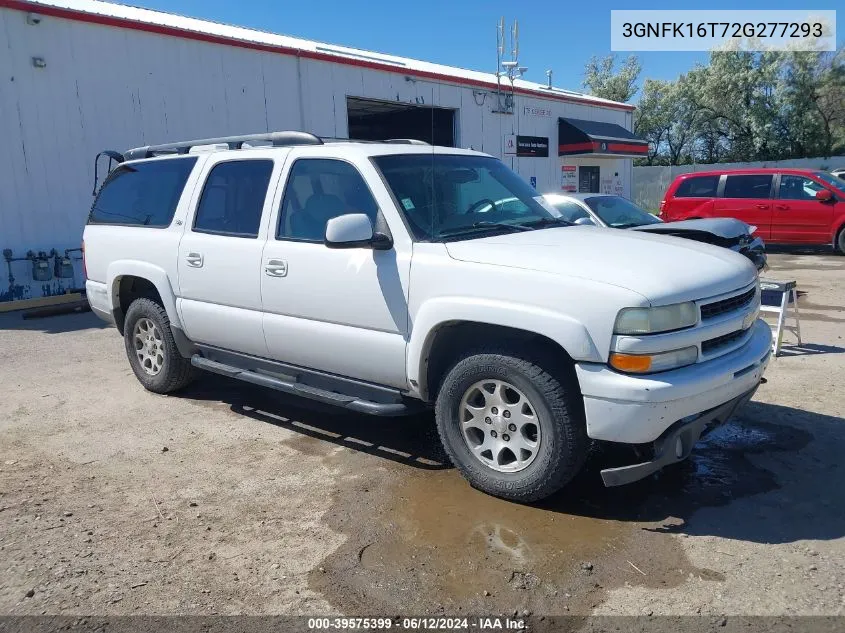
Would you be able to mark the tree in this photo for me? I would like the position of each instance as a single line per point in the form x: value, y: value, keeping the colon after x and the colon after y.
x: 602, y: 80
x: 746, y: 106
x: 667, y: 118
x: 829, y: 99
x: 649, y: 117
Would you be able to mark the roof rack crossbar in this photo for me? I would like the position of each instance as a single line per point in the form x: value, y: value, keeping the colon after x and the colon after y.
x: 392, y: 141
x: 405, y: 141
x: 276, y: 139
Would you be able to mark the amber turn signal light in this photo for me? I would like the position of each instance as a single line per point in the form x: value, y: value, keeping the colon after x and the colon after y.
x: 634, y: 363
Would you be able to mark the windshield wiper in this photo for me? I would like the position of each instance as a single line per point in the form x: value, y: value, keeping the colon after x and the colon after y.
x: 542, y: 222
x: 484, y: 224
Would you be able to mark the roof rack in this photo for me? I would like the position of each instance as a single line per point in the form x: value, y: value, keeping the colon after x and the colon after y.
x: 405, y: 141
x: 276, y: 139
x: 392, y: 141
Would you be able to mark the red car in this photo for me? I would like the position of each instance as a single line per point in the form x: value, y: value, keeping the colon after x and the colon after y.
x: 788, y: 206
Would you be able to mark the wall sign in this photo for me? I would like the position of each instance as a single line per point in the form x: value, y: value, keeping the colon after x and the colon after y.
x: 569, y: 178
x: 532, y: 111
x: 533, y: 146
x: 527, y: 146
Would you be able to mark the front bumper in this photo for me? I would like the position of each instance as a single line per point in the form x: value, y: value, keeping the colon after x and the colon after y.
x: 638, y: 409
x: 676, y: 443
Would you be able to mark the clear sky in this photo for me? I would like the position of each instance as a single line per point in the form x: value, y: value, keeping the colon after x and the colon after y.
x: 557, y: 34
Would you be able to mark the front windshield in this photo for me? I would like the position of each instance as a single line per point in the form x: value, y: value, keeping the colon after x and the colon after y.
x: 618, y: 213
x: 446, y: 196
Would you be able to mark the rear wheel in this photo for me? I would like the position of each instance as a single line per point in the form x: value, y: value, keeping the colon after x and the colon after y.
x: 511, y: 425
x: 151, y: 349
x: 840, y: 241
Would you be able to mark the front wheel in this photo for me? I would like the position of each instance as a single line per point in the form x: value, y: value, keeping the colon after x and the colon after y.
x: 512, y: 427
x: 151, y: 349
x: 840, y: 241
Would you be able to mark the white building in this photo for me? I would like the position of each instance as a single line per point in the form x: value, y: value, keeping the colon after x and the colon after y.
x: 79, y: 76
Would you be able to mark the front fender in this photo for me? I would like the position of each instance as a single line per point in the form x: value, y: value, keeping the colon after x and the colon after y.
x: 435, y: 313
x: 154, y: 274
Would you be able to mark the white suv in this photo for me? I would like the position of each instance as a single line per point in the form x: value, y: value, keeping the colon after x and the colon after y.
x: 364, y: 275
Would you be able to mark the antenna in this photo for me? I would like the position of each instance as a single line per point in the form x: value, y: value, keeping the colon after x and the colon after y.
x: 509, y: 68
x: 500, y: 38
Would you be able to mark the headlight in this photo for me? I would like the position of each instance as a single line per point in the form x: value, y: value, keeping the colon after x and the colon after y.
x: 653, y: 320
x: 650, y: 363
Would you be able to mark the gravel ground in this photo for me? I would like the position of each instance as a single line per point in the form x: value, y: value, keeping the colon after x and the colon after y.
x: 229, y: 499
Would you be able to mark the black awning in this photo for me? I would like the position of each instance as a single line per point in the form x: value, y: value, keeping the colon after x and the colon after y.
x: 577, y: 136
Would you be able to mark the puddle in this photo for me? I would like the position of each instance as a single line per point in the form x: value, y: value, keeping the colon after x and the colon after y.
x: 421, y: 541
x: 428, y: 543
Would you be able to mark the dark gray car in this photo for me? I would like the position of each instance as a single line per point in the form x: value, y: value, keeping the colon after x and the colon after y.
x: 619, y: 213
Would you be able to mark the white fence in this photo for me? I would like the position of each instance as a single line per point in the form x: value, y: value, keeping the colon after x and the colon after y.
x: 650, y: 183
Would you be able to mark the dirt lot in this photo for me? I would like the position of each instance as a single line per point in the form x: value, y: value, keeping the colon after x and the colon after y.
x: 230, y: 499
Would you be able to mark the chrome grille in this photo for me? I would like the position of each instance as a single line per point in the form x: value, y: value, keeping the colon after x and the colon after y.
x: 711, y: 310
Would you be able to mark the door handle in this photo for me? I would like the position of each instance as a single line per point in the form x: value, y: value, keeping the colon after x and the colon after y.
x: 276, y: 268
x: 762, y: 206
x: 782, y: 207
x: 194, y: 260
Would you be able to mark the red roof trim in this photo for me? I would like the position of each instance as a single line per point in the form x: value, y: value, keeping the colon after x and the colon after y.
x: 107, y: 20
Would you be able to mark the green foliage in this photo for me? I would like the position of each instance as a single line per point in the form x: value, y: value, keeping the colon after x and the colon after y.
x: 746, y: 106
x: 605, y: 82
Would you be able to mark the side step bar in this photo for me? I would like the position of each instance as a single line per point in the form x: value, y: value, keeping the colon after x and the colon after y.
x: 306, y: 391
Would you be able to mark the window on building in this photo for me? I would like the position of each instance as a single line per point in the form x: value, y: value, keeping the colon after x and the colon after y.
x: 748, y: 186
x: 318, y: 190
x: 698, y: 187
x: 144, y: 193
x: 233, y: 198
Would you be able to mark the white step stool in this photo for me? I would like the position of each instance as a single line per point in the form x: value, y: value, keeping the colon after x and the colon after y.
x: 785, y: 307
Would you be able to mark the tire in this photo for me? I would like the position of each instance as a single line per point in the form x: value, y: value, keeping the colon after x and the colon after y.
x: 840, y: 241
x: 561, y: 446
x: 162, y: 369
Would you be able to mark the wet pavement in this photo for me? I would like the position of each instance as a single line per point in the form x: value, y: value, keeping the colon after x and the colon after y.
x: 419, y: 539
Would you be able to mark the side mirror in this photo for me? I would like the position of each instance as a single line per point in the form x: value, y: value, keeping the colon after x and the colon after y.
x: 585, y: 221
x: 824, y: 195
x: 354, y: 230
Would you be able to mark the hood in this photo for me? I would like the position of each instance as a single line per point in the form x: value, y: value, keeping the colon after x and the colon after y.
x: 662, y: 269
x: 726, y: 228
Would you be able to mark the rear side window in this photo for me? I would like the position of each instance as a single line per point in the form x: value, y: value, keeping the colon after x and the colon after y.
x: 233, y: 198
x: 142, y: 194
x: 698, y: 187
x: 753, y: 186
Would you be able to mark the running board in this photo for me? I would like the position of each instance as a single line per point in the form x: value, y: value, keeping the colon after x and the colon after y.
x: 306, y: 391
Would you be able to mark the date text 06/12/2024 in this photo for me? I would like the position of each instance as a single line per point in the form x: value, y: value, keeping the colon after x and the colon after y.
x: 492, y: 623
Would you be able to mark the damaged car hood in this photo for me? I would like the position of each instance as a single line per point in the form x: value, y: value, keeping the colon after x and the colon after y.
x: 725, y: 228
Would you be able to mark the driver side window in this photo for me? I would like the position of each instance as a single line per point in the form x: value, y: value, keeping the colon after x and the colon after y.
x: 318, y: 190
x: 797, y: 188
